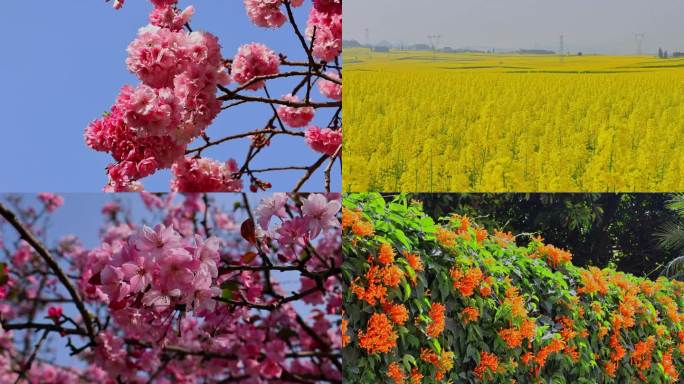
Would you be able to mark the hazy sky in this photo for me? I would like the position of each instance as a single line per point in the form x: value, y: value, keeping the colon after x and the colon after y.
x: 606, y: 26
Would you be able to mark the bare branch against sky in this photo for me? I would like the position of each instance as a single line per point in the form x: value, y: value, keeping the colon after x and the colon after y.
x: 599, y: 26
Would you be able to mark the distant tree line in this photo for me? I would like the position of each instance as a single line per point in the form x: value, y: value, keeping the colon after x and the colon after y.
x: 663, y: 54
x: 601, y: 229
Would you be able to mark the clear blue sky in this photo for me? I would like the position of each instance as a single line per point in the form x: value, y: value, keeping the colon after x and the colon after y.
x: 63, y: 65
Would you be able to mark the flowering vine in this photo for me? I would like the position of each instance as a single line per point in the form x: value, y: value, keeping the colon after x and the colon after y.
x: 186, y: 82
x: 201, y: 294
x: 472, y: 306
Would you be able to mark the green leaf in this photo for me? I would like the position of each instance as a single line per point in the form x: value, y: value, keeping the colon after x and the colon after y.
x: 407, y: 291
x: 229, y: 288
x: 436, y: 346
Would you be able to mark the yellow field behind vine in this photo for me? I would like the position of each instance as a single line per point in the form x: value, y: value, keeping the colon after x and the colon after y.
x: 495, y: 123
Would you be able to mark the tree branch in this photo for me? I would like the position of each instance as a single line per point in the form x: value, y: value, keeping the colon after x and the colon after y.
x: 28, y: 236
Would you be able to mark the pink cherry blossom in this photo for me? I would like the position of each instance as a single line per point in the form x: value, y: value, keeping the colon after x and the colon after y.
x: 167, y: 16
x: 295, y: 117
x: 155, y: 242
x: 265, y: 13
x: 330, y: 89
x: 149, y: 112
x: 293, y: 232
x: 175, y: 269
x: 205, y: 175
x: 138, y: 273
x: 270, y: 206
x: 268, y: 13
x: 154, y: 55
x: 52, y: 201
x: 325, y: 28
x: 321, y: 213
x: 328, y: 6
x: 55, y: 312
x: 324, y: 140
x: 253, y: 60
x: 113, y: 283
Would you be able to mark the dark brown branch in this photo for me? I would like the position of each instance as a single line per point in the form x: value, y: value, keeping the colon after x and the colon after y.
x: 26, y: 234
x: 43, y: 326
x: 307, y: 175
x: 295, y: 104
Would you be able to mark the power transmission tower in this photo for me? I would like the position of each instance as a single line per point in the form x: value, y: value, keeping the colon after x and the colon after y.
x: 370, y: 49
x: 434, y: 42
x: 639, y: 38
x: 562, y: 48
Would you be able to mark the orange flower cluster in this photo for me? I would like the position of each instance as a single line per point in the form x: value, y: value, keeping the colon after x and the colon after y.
x: 464, y: 223
x: 593, y: 281
x: 397, y: 313
x: 481, y: 234
x: 416, y: 376
x: 468, y: 281
x: 345, y: 337
x: 385, y: 254
x: 354, y: 220
x: 528, y: 329
x: 349, y: 217
x: 511, y: 336
x: 554, y: 256
x: 485, y: 289
x: 414, y: 261
x: 567, y: 334
x: 488, y: 362
x: 374, y: 292
x: 469, y: 314
x: 647, y: 287
x: 436, y: 313
x: 670, y: 308
x: 556, y: 345
x: 443, y: 363
x: 516, y: 302
x: 391, y: 276
x: 642, y: 354
x: 446, y: 237
x: 379, y: 336
x: 567, y: 328
x: 429, y: 356
x: 610, y: 368
x: 503, y: 238
x: 617, y: 350
x: 668, y: 367
x: 395, y: 373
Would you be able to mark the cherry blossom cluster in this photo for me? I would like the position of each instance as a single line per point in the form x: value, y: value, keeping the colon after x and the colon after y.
x: 150, y: 125
x: 194, y: 292
x: 156, y: 271
x: 184, y: 86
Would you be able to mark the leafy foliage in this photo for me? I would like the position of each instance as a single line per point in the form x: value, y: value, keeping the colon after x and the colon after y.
x: 599, y: 229
x: 481, y: 308
x: 671, y: 233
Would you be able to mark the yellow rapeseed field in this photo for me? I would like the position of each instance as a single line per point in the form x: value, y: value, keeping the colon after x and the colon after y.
x: 495, y: 123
